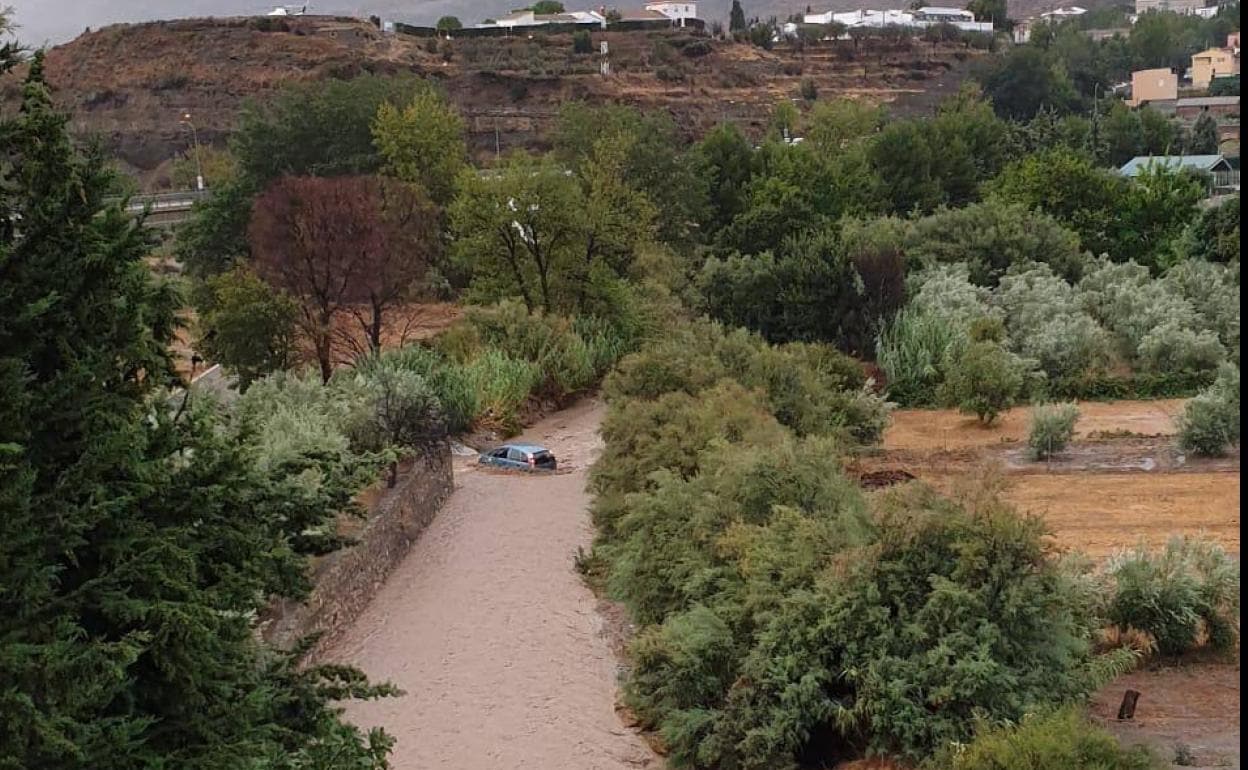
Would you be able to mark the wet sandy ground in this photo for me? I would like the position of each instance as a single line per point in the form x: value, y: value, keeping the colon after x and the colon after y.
x: 937, y: 429
x: 490, y: 631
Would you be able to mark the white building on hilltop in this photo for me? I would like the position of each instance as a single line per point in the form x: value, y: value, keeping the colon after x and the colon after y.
x: 677, y: 12
x: 923, y: 17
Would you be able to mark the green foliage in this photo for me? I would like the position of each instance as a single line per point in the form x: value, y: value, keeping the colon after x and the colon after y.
x: 1051, y: 429
x: 809, y: 90
x: 547, y: 7
x: 991, y: 237
x: 1213, y: 235
x: 1026, y: 80
x: 1210, y: 421
x: 218, y: 167
x: 1059, y: 740
x: 984, y: 380
x: 913, y: 350
x: 815, y: 289
x: 1224, y: 86
x: 1070, y: 188
x: 136, y: 546
x: 246, y: 326
x: 457, y: 398
x: 649, y: 157
x: 449, y: 23
x: 314, y: 128
x: 736, y: 17
x: 422, y: 140
x: 1190, y: 587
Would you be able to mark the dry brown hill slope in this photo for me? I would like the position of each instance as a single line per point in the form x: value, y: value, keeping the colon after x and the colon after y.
x: 131, y: 83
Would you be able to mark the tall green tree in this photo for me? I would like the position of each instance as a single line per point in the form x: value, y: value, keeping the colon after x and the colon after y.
x: 655, y: 162
x: 519, y: 231
x: 728, y: 159
x: 322, y: 128
x: 736, y: 17
x: 1068, y: 186
x: 136, y: 541
x: 422, y: 142
x: 1204, y: 137
x: 245, y: 325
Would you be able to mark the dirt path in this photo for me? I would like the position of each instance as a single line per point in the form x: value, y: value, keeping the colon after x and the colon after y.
x: 490, y: 631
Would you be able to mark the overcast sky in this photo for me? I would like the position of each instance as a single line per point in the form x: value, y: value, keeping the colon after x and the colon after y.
x: 56, y: 21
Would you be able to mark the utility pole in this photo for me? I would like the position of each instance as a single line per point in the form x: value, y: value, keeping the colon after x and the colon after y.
x: 199, y: 169
x: 498, y: 152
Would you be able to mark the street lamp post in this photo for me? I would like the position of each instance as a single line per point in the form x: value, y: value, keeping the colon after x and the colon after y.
x: 199, y: 169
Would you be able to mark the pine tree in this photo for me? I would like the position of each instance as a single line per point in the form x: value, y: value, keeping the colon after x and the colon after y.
x: 1204, y: 136
x: 134, y: 544
x: 736, y: 18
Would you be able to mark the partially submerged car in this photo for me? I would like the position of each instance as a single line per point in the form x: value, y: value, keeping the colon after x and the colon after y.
x: 526, y: 457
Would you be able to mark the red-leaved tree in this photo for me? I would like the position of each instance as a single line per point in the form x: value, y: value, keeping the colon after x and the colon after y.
x: 356, y: 245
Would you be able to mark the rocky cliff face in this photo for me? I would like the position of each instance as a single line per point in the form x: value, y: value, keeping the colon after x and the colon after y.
x: 130, y: 84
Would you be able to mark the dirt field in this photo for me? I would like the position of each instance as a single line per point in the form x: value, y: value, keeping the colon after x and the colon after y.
x: 491, y: 632
x: 1101, y: 494
x: 1121, y: 483
x: 1195, y: 706
x: 930, y: 429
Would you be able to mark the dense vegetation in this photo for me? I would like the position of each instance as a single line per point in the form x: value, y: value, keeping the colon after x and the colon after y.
x: 137, y: 541
x: 979, y: 256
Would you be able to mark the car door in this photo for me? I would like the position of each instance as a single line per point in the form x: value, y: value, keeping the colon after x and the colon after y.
x: 499, y: 457
x: 517, y: 459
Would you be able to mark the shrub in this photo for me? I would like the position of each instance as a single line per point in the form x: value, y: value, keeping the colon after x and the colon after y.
x: 1059, y: 740
x: 1210, y: 421
x: 914, y: 351
x: 669, y: 74
x: 1051, y: 429
x: 456, y: 394
x: 809, y: 91
x: 502, y: 385
x: 899, y: 644
x: 984, y: 380
x: 1169, y: 347
x: 697, y: 48
x: 581, y: 42
x: 1171, y: 595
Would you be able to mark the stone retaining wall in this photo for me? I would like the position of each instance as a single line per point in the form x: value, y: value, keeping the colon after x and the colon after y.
x: 346, y: 581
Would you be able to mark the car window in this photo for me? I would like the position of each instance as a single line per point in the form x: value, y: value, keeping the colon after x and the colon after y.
x: 517, y: 455
x: 500, y: 453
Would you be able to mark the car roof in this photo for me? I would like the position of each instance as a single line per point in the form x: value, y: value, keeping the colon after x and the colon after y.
x: 526, y: 448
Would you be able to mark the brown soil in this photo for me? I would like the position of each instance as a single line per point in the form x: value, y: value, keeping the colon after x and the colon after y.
x: 1196, y: 706
x: 1120, y: 484
x: 1100, y: 495
x: 491, y: 632
x: 947, y: 429
x: 130, y: 83
x: 1101, y: 513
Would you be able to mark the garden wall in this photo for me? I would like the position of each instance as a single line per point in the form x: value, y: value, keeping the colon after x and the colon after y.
x: 345, y: 581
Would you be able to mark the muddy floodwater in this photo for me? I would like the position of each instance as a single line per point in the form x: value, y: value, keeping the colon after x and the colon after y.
x: 490, y: 631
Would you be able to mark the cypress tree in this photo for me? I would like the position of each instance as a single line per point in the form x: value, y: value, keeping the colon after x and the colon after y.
x: 136, y: 544
x: 736, y: 17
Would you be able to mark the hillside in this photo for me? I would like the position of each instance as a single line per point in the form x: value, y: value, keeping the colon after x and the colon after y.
x: 57, y: 21
x: 131, y: 83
